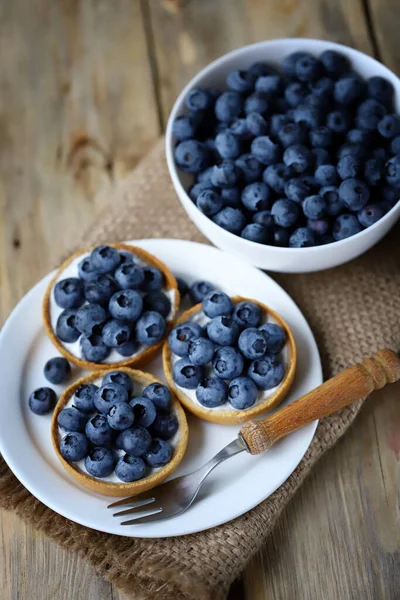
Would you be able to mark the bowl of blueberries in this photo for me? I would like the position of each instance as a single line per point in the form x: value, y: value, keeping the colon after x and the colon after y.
x: 287, y: 153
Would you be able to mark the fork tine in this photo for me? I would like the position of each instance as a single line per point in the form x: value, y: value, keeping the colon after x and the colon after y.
x: 149, y: 518
x: 134, y: 507
x: 133, y: 499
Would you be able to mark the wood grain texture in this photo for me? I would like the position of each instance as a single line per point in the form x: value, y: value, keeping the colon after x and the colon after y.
x: 352, y: 384
x: 384, y: 23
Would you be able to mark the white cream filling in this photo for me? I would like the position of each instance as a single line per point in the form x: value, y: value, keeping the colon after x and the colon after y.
x: 74, y: 348
x: 80, y: 465
x: 202, y: 320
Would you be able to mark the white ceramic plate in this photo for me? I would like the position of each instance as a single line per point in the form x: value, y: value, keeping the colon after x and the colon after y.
x: 234, y: 487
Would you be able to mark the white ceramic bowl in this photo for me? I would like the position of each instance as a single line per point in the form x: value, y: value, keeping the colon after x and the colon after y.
x: 286, y: 260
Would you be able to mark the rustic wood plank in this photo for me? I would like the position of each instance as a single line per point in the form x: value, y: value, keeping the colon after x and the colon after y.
x: 188, y: 35
x: 385, y: 22
x: 77, y: 111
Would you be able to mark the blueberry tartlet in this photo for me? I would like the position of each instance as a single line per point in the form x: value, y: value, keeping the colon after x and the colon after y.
x: 229, y: 359
x: 110, y: 307
x: 119, y: 432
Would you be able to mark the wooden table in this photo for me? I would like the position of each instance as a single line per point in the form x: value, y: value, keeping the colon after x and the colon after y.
x: 85, y: 90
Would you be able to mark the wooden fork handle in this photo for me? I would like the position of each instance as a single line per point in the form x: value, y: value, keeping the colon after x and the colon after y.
x: 349, y: 386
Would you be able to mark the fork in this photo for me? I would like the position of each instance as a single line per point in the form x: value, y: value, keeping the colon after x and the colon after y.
x: 175, y: 496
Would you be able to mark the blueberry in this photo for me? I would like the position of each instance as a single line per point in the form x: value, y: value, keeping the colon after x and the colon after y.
x: 266, y: 373
x: 195, y: 190
x: 100, y: 289
x: 125, y: 305
x: 250, y: 167
x: 359, y: 136
x: 120, y: 378
x: 354, y: 193
x: 302, y: 237
x: 321, y: 137
x: 335, y: 64
x: 74, y: 446
x: 186, y: 374
x: 348, y: 167
x: 354, y: 150
x: 247, y: 314
x: 115, y: 333
x: 298, y: 158
x: 165, y: 425
x: 223, y: 331
x: 120, y: 416
x: 90, y: 318
x: 201, y: 351
x: 181, y: 335
x: 308, y: 68
x: 159, y: 302
x: 183, y: 287
x: 228, y: 106
x: 380, y: 153
x: 276, y: 176
x: 256, y: 124
x: 285, y: 212
x: 389, y: 126
x: 72, y: 419
x: 290, y: 61
x: 239, y: 129
x: 191, y: 156
x: 326, y: 175
x: 296, y: 190
x: 380, y: 89
x: 150, y: 328
x: 153, y: 279
x: 209, y: 202
x: 308, y: 115
x: 369, y: 113
x: 265, y: 150
x: 144, y: 411
x: 370, y: 214
x: 230, y: 219
x: 159, y: 394
x: 105, y: 259
x: 271, y: 85
x: 295, y: 94
x: 390, y: 194
x: 199, y: 289
x: 275, y: 337
x: 261, y: 68
x: 198, y: 99
x: 241, y: 81
x: 252, y: 343
x: 263, y: 217
x: 128, y: 348
x: 84, y: 397
x: 126, y: 257
x: 100, y: 462
x: 86, y: 270
x: 212, y: 392
x: 231, y: 197
x: 338, y: 121
x: 395, y: 145
x: 227, y: 362
x: 42, y: 401
x: 256, y: 196
x: 317, y: 226
x: 254, y: 232
x: 135, y: 441
x: 292, y: 133
x: 68, y: 293
x: 322, y: 240
x: 93, y: 348
x: 257, y: 102
x: 130, y: 468
x: 159, y: 453
x: 280, y: 236
x: 227, y: 145
x: 109, y: 394
x: 205, y: 176
x: 185, y: 127
x: 217, y: 303
x: 321, y: 157
x: 345, y: 226
x: 225, y: 175
x: 392, y: 171
x: 277, y: 123
x: 322, y: 88
x: 98, y: 431
x: 57, y: 370
x: 349, y: 90
x: 129, y: 276
x: 373, y: 171
x: 242, y: 393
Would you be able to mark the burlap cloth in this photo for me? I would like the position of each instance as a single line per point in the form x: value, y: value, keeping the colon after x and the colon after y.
x: 353, y: 311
